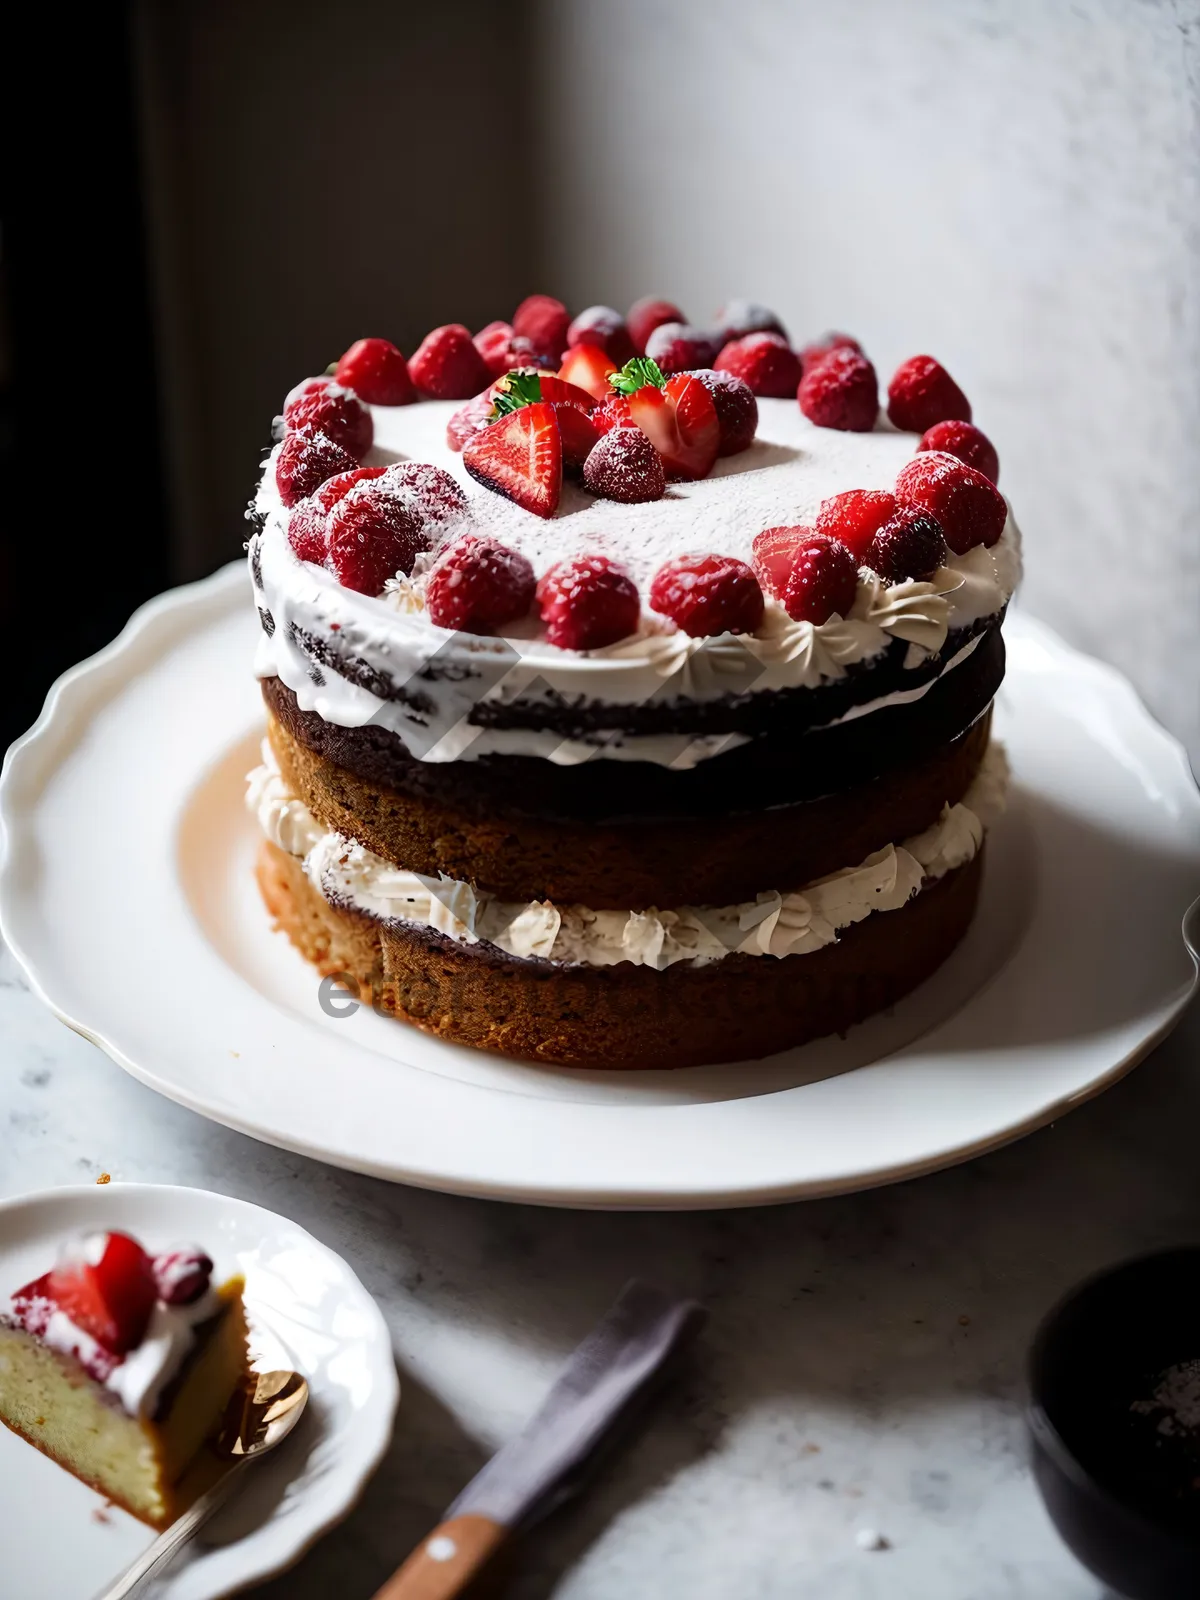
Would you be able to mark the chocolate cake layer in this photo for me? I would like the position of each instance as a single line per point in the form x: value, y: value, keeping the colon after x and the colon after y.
x: 634, y: 865
x: 787, y: 768
x: 623, y: 1016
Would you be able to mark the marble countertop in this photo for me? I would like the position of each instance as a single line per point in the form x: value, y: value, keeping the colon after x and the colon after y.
x: 862, y: 1369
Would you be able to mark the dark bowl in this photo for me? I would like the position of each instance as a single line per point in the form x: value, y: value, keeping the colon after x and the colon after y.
x: 1118, y: 1470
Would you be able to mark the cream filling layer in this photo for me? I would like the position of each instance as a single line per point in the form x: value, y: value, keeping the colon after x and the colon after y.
x: 772, y: 924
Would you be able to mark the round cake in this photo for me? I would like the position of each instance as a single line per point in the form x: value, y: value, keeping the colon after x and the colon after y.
x: 635, y: 712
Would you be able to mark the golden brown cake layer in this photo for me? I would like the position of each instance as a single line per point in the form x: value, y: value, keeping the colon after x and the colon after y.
x: 696, y: 861
x: 623, y: 1016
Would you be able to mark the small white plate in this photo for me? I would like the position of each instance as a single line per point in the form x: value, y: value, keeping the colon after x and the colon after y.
x: 127, y: 895
x: 307, y: 1311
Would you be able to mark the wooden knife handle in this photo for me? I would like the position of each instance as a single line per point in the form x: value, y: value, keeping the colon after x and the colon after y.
x: 446, y: 1561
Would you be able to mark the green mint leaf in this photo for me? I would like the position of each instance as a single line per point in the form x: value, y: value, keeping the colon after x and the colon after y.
x: 516, y: 390
x: 637, y: 374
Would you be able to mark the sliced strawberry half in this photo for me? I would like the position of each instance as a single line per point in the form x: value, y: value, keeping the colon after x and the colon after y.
x: 588, y: 367
x: 578, y: 432
x: 521, y: 457
x: 680, y: 421
x: 108, y: 1292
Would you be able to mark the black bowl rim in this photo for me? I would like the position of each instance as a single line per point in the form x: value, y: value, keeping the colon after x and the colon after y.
x: 1047, y: 1435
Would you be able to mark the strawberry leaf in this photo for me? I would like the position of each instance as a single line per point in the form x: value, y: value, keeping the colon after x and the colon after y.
x: 639, y: 373
x: 516, y: 390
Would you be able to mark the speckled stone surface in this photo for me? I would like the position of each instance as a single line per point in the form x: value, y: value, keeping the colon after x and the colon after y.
x: 862, y: 1370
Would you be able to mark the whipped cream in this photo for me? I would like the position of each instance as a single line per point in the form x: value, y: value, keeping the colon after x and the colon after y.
x: 774, y: 923
x: 401, y: 672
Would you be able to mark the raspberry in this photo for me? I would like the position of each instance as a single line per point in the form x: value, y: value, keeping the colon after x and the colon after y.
x: 605, y: 328
x: 587, y: 602
x: 477, y: 584
x: 736, y: 408
x: 377, y: 373
x: 468, y: 420
x: 841, y: 391
x: 305, y: 461
x: 678, y: 348
x: 705, y: 595
x: 447, y: 366
x: 431, y: 492
x: 965, y: 441
x: 822, y: 581
x: 374, y: 533
x: 825, y: 345
x: 910, y: 544
x: 921, y: 393
x: 737, y: 318
x: 322, y: 406
x: 625, y: 466
x: 969, y: 507
x: 774, y: 554
x: 544, y: 321
x: 647, y: 314
x: 765, y: 363
x: 182, y: 1276
x: 855, y: 518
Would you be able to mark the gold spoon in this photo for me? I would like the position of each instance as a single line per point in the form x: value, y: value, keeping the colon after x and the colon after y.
x: 258, y: 1419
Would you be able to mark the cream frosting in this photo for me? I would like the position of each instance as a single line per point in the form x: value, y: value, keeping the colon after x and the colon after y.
x: 783, y: 478
x: 774, y: 923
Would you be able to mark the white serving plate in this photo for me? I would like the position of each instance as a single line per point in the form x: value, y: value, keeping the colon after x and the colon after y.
x: 126, y: 894
x: 307, y: 1311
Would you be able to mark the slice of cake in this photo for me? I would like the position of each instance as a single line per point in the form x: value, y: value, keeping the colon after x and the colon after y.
x: 635, y: 712
x: 119, y: 1366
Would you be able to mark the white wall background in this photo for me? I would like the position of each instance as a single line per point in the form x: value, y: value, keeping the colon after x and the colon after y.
x: 1012, y: 186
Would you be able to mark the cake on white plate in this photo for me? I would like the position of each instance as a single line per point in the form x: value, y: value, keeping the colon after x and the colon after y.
x: 119, y: 1366
x: 635, y: 712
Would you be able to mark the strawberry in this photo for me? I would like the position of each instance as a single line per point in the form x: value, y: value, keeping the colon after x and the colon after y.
x: 447, y: 366
x: 736, y: 407
x: 625, y: 466
x: 679, y: 419
x: 478, y: 584
x: 588, y: 367
x: 602, y: 326
x: 430, y: 491
x: 307, y: 528
x: 468, y: 420
x: 587, y: 602
x: 822, y: 581
x: 377, y: 373
x: 678, y: 348
x: 840, y: 391
x: 306, y: 461
x: 737, y: 318
x: 774, y: 555
x: 374, y: 533
x: 855, y: 518
x: 825, y: 345
x: 572, y: 407
x: 321, y: 406
x: 613, y: 412
x: 967, y: 504
x: 922, y: 392
x: 578, y: 433
x: 520, y: 457
x: 503, y: 350
x: 965, y: 441
x: 645, y: 315
x: 544, y: 321
x: 710, y: 594
x: 765, y: 363
x: 108, y: 1292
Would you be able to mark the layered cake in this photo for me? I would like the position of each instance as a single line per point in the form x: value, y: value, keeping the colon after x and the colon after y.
x: 628, y: 683
x: 119, y: 1366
